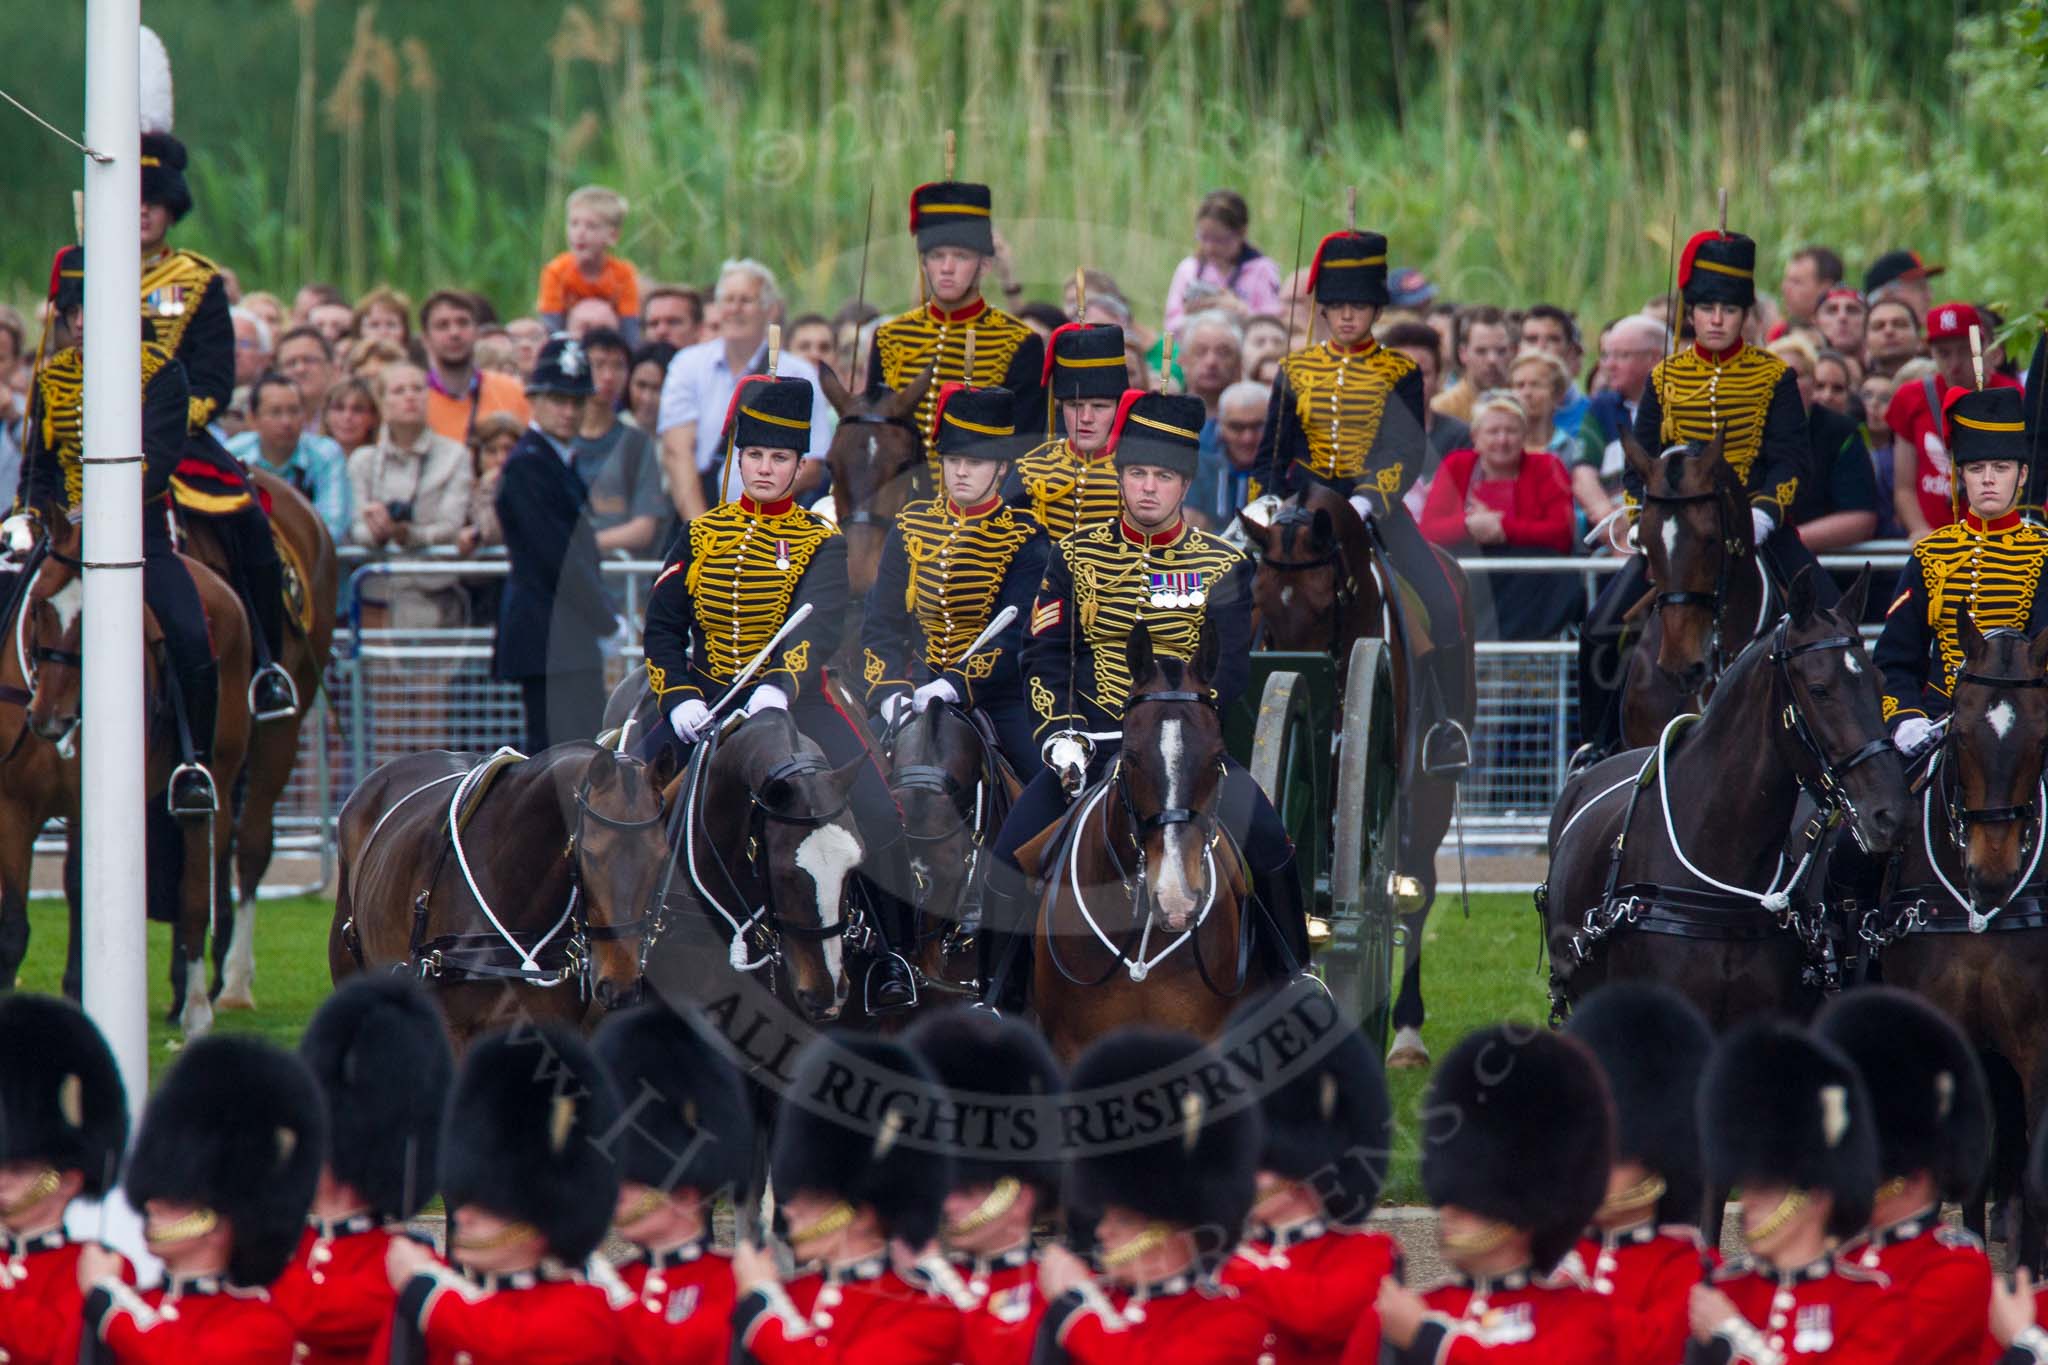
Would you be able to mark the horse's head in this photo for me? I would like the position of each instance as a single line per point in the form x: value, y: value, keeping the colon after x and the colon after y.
x: 1168, y: 774
x: 802, y: 845
x: 936, y: 767
x: 1997, y: 731
x: 873, y: 456
x: 1304, y: 579
x: 620, y: 855
x: 48, y: 640
x: 1830, y: 712
x: 1693, y: 529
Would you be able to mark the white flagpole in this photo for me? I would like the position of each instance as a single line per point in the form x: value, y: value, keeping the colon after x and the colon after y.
x: 116, y: 959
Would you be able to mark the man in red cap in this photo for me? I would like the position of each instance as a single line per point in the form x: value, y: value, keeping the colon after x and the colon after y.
x: 1914, y: 417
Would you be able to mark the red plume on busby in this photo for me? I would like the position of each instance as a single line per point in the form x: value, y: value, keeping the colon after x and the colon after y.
x: 1718, y: 267
x: 1349, y: 267
x: 1163, y: 429
x: 1085, y: 360
x: 978, y: 423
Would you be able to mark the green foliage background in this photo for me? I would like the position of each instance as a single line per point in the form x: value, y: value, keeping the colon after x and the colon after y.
x: 1515, y: 151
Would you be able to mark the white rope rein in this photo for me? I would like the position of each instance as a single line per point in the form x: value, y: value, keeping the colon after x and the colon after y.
x: 1140, y: 966
x: 1979, y: 920
x: 737, y: 953
x: 529, y: 963
x: 1777, y: 899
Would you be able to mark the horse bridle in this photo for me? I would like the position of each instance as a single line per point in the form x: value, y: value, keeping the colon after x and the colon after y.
x: 862, y: 516
x: 1733, y: 547
x: 1347, y: 582
x: 1828, y: 786
x: 648, y: 925
x: 1962, y: 817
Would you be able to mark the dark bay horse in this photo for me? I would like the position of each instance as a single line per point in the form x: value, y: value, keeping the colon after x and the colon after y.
x: 543, y: 906
x: 954, y: 789
x: 1320, y: 586
x: 55, y: 714
x: 1144, y: 917
x: 767, y: 845
x: 1964, y: 914
x: 877, y: 463
x: 37, y: 783
x: 1709, y: 592
x: 1703, y: 893
x: 311, y: 592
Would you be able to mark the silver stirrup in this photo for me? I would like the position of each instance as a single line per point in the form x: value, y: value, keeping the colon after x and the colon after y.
x: 291, y: 689
x: 212, y: 805
x: 1447, y: 734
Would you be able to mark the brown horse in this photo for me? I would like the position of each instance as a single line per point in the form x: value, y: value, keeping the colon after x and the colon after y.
x: 37, y: 784
x: 1707, y: 894
x: 541, y: 904
x: 1964, y: 919
x: 877, y: 463
x: 1144, y: 918
x: 1709, y: 594
x: 55, y: 715
x: 1321, y: 587
x: 311, y: 588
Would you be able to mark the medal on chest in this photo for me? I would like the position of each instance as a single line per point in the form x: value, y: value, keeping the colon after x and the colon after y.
x: 1815, y: 1330
x: 167, y: 302
x: 1508, y: 1326
x: 1182, y: 589
x: 782, y: 556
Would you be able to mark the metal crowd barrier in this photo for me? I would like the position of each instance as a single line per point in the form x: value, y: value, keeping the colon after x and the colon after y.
x: 392, y: 692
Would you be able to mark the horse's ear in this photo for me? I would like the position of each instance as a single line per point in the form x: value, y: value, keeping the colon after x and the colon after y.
x: 1967, y: 634
x: 844, y: 777
x: 1322, y: 532
x: 1854, y: 599
x: 1209, y: 649
x: 664, y: 769
x: 1713, y: 455
x: 1138, y: 654
x: 835, y: 392
x: 904, y: 402
x: 602, y: 770
x: 1804, y: 597
x: 1640, y: 460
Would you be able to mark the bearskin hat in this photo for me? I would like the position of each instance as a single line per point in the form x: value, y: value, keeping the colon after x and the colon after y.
x: 1718, y: 267
x: 1349, y: 267
x: 380, y: 1052
x: 163, y: 174
x: 528, y: 1137
x: 1520, y: 1130
x: 1652, y: 1043
x: 952, y: 213
x: 1782, y: 1107
x: 688, y: 1123
x: 1173, y: 1153
x: 1328, y: 1119
x: 61, y: 1098
x: 980, y: 424
x: 1163, y: 429
x: 237, y: 1127
x: 862, y: 1154
x: 1086, y: 360
x: 771, y: 413
x: 984, y: 1061
x: 1932, y: 1108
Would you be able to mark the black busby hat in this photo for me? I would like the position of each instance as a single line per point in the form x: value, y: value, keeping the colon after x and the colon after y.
x: 980, y: 424
x: 1201, y: 1168
x: 1652, y: 1043
x: 529, y: 1136
x: 237, y: 1127
x: 1986, y: 424
x: 1780, y: 1106
x: 380, y: 1052
x: 67, y: 278
x: 771, y: 412
x: 1162, y: 429
x: 983, y: 1060
x: 861, y: 1154
x: 1930, y: 1101
x: 1349, y: 267
x: 163, y: 174
x: 1718, y: 267
x: 1086, y: 360
x: 61, y: 1098
x: 1522, y: 1132
x: 688, y: 1122
x: 563, y: 367
x: 1329, y: 1120
x: 952, y: 213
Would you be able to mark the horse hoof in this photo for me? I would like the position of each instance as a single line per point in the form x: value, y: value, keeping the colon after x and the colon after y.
x: 1408, y: 1053
x: 232, y: 998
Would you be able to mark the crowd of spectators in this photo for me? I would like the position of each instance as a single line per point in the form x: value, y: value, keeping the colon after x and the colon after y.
x: 394, y: 416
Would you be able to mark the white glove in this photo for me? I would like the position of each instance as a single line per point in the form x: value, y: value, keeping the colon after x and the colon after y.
x: 689, y: 719
x: 1067, y: 754
x: 767, y: 697
x: 1762, y: 523
x: 18, y: 533
x: 1259, y: 511
x: 1913, y: 736
x: 937, y: 690
x: 1362, y: 505
x: 894, y: 706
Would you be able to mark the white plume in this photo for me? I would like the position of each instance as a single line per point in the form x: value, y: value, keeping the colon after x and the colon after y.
x: 156, y: 84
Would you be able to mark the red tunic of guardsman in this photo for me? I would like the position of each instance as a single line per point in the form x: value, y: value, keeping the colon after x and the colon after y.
x: 223, y: 1170
x: 1933, y: 1138
x: 687, y: 1137
x: 1003, y: 1179
x: 1070, y: 481
x: 65, y: 1125
x: 380, y: 1052
x: 1160, y: 1297
x: 1642, y: 1253
x: 1307, y: 1263
x: 1785, y: 1119
x: 850, y: 1182
x: 955, y: 235
x: 530, y: 1191
x: 1515, y: 1181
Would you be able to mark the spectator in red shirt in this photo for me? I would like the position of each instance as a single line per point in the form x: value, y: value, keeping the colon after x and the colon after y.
x: 1920, y: 464
x: 1499, y: 493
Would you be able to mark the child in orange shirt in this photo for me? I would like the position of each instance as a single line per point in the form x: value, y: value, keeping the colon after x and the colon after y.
x: 588, y: 270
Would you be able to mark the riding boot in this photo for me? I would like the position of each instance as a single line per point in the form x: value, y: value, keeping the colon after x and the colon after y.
x: 1004, y: 941
x: 192, y: 791
x: 891, y: 982
x: 1279, y: 891
x: 1446, y: 746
